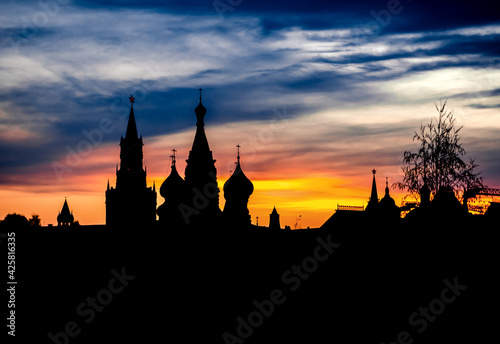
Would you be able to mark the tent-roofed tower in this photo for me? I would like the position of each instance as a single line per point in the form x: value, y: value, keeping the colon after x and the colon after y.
x: 274, y: 220
x: 201, y: 177
x: 373, y: 202
x: 131, y: 202
x: 65, y: 217
x: 237, y: 191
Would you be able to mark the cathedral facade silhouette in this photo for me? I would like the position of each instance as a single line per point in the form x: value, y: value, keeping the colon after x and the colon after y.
x: 193, y: 201
x: 189, y: 203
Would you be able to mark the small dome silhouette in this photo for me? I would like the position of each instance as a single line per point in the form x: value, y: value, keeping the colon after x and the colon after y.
x: 387, y: 201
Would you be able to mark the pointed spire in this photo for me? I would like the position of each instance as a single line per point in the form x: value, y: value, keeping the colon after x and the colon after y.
x: 65, y: 217
x: 374, y: 194
x: 274, y: 220
x: 108, y: 183
x: 65, y: 208
x: 131, y: 126
x: 386, y: 185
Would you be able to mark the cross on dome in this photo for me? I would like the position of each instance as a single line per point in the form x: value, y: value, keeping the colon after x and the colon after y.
x: 173, y: 155
x: 238, y: 146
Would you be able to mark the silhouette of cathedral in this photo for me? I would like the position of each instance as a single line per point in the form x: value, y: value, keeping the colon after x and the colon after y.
x: 131, y: 202
x: 65, y: 217
x: 194, y: 202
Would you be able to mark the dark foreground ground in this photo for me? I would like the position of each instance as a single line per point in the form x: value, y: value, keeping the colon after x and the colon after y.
x: 355, y: 283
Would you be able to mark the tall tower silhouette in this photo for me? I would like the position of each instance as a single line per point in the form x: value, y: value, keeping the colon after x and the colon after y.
x: 201, y: 178
x: 131, y: 202
x: 237, y: 191
x: 174, y: 191
x: 373, y: 202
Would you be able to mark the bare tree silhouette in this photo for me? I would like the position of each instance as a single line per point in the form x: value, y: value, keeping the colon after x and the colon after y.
x: 438, y: 163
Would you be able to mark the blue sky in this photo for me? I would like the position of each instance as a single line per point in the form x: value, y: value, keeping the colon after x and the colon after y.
x: 352, y: 80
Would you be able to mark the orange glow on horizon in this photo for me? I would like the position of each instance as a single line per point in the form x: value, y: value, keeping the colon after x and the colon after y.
x: 314, y: 199
x: 309, y: 187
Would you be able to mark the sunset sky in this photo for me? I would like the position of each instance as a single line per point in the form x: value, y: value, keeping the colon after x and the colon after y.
x: 317, y: 93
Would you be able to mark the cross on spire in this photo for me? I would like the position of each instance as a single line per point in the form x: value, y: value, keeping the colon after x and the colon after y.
x: 131, y: 99
x: 173, y: 155
x: 374, y: 171
x: 238, y: 146
x: 200, y: 89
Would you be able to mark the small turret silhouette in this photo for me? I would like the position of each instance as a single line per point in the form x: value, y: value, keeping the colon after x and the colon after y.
x: 65, y: 217
x: 274, y: 220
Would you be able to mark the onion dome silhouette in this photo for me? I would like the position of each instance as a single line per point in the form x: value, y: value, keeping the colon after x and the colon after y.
x: 387, y: 201
x: 174, y: 183
x: 200, y: 111
x: 238, y: 184
x: 387, y: 205
x: 174, y: 190
x: 200, y: 150
x: 237, y: 191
